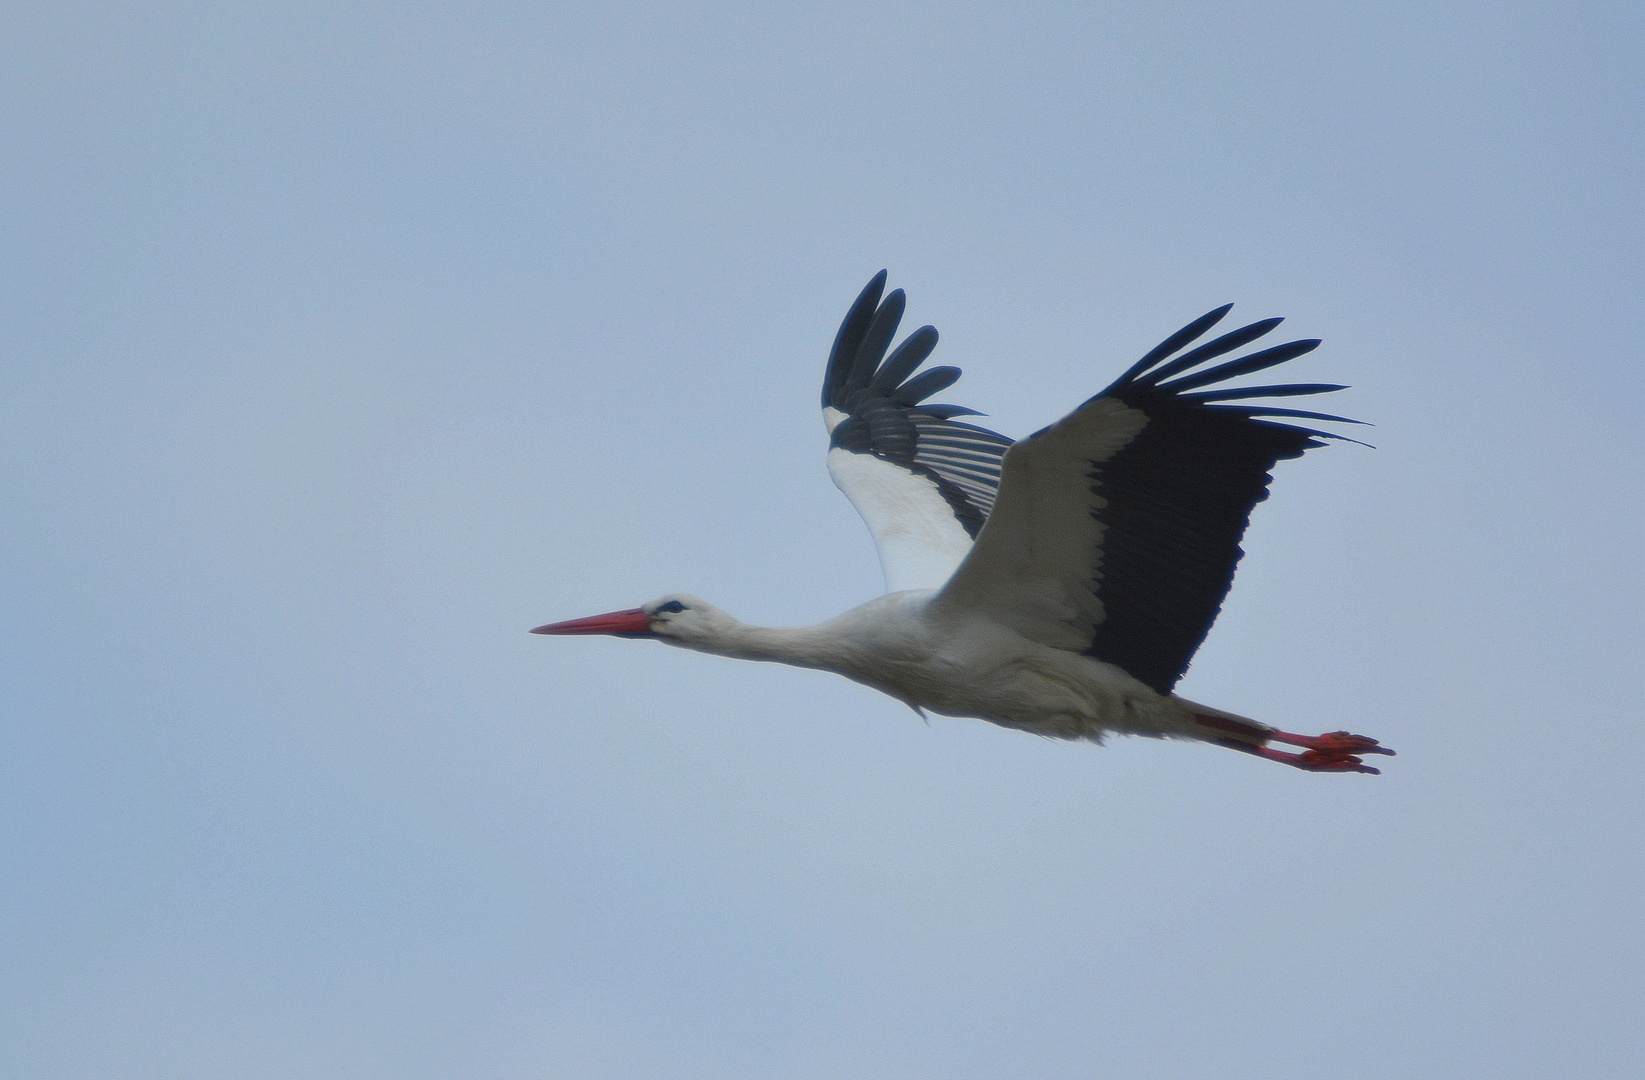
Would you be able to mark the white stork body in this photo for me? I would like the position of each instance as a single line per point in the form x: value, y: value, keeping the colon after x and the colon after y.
x: 1058, y: 585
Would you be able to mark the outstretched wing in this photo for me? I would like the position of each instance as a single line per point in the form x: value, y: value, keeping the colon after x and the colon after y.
x: 1116, y: 530
x: 923, y: 482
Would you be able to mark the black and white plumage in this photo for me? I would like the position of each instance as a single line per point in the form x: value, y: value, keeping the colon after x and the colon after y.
x: 1060, y: 584
x: 924, y: 482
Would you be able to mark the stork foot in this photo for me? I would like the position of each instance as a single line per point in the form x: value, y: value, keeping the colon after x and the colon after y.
x: 1336, y: 751
x: 1311, y: 760
x: 1332, y: 743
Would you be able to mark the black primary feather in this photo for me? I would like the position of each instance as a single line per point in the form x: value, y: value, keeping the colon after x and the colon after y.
x: 881, y: 396
x: 1175, y: 501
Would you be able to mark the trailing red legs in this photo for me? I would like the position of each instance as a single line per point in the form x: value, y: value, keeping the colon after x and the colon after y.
x: 1336, y: 751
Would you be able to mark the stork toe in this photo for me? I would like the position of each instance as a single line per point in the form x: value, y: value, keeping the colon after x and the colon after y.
x: 1333, y: 743
x: 1312, y: 760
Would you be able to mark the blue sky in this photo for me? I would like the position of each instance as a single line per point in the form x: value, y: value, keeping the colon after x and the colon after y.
x: 343, y: 344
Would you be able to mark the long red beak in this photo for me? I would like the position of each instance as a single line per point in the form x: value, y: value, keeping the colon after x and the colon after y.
x: 633, y: 623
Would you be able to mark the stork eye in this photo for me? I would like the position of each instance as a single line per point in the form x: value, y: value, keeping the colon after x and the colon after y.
x: 673, y: 607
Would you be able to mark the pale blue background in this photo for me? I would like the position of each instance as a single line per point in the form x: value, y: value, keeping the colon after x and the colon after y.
x: 344, y: 343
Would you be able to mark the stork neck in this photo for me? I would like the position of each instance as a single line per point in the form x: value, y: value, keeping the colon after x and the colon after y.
x: 801, y: 646
x: 856, y: 643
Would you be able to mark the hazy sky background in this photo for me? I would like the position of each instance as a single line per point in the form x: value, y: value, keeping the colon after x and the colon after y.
x: 344, y: 343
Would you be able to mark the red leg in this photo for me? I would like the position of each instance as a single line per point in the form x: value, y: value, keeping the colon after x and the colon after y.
x: 1312, y: 760
x: 1335, y: 742
x: 1334, y: 752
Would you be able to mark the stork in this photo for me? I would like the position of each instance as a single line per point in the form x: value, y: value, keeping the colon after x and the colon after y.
x: 1059, y: 585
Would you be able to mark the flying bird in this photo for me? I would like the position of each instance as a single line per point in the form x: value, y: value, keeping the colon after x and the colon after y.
x: 1059, y: 585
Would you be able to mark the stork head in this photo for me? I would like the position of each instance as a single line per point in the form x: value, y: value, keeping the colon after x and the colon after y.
x: 677, y: 620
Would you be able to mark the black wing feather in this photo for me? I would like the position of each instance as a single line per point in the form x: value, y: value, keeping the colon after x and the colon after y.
x: 905, y: 358
x: 926, y: 383
x: 1227, y: 343
x: 1245, y: 365
x: 852, y: 331
x: 878, y: 338
x: 1175, y: 501
x: 1263, y: 391
x: 1191, y: 332
x: 884, y: 416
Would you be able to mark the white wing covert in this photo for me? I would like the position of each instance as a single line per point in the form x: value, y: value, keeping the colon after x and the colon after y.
x: 1116, y: 531
x: 923, y: 483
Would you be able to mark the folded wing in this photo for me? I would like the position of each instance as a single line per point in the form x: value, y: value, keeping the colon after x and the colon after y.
x: 923, y: 482
x: 1116, y: 530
